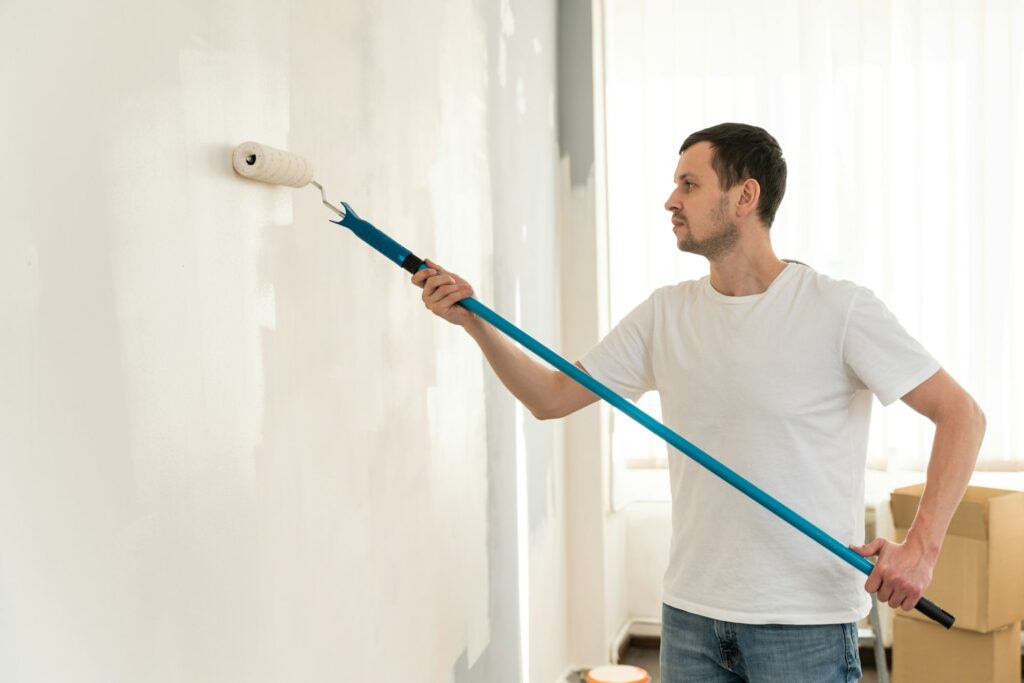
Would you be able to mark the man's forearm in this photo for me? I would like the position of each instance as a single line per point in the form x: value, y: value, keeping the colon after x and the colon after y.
x: 955, y: 449
x: 527, y: 379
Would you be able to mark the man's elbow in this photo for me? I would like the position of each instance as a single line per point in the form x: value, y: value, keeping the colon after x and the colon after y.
x: 562, y: 406
x: 545, y: 414
x: 978, y: 416
x: 971, y: 418
x: 557, y: 397
x: 962, y: 409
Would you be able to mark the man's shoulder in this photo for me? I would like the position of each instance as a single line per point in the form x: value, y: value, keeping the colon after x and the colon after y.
x: 837, y: 290
x: 820, y: 293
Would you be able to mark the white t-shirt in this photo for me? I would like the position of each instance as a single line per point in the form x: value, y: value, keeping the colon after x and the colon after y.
x: 776, y: 386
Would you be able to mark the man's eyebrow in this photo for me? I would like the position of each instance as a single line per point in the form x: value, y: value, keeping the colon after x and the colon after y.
x: 688, y: 174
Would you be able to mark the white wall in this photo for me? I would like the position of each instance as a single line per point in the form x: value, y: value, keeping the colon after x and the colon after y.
x: 233, y: 444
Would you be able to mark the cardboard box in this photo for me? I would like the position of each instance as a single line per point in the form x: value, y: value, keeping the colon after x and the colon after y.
x: 979, y: 576
x: 925, y: 651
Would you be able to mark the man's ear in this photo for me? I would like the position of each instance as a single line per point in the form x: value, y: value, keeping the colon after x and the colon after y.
x: 750, y: 193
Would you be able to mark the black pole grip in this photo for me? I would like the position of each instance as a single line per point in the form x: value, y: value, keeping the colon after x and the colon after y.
x: 412, y: 263
x: 933, y: 611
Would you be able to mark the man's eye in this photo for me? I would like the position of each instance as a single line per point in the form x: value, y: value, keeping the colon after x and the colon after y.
x: 689, y: 184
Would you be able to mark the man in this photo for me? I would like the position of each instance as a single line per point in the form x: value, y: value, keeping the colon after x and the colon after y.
x: 770, y: 367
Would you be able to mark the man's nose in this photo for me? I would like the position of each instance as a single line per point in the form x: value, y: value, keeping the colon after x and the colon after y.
x: 672, y: 203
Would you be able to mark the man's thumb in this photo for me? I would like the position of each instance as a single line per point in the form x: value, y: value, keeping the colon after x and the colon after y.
x: 871, y: 548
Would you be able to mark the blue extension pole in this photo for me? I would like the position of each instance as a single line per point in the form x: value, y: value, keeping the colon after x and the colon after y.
x: 407, y: 260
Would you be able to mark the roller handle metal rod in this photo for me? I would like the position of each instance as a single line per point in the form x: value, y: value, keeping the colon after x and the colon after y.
x: 407, y: 260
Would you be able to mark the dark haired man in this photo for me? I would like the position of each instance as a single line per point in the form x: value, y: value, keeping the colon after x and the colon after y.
x: 770, y: 367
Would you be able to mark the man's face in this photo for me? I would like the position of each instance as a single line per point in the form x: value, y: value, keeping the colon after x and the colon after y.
x: 699, y: 206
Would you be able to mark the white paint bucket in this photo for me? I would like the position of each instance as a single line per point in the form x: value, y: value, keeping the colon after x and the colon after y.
x: 619, y: 673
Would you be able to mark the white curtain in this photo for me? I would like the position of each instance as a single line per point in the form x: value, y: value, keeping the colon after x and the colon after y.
x: 903, y: 127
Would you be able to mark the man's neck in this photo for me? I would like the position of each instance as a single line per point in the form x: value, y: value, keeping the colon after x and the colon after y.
x: 743, y: 272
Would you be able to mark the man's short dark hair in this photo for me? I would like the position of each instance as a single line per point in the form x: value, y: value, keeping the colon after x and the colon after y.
x: 740, y: 151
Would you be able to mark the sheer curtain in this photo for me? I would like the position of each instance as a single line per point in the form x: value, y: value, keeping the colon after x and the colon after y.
x: 903, y: 127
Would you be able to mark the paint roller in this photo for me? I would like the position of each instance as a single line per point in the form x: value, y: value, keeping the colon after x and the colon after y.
x: 278, y: 167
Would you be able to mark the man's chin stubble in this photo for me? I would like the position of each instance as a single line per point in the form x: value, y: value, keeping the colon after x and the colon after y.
x: 712, y: 248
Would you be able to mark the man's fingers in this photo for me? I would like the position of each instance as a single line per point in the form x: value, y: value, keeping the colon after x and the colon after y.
x: 872, y: 548
x: 436, y: 267
x: 441, y: 280
x: 441, y: 289
x: 423, y: 276
x: 905, y: 596
x: 876, y: 583
x: 441, y: 271
x: 454, y: 298
x: 420, y: 277
x: 441, y: 292
x: 457, y: 294
x: 434, y: 291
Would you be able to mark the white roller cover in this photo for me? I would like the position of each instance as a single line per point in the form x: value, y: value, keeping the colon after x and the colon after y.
x: 271, y: 165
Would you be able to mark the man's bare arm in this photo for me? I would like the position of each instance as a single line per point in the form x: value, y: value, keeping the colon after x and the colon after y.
x: 959, y: 429
x: 546, y: 393
x: 904, y: 570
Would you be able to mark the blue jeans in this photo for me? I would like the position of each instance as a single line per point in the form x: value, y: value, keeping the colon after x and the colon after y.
x: 695, y: 648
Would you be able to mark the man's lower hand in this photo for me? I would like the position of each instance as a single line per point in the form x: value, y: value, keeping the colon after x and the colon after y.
x: 902, y: 572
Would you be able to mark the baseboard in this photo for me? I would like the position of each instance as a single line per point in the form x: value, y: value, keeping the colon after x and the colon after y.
x: 635, y: 632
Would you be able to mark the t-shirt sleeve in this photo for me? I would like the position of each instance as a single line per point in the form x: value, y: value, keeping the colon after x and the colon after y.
x: 879, y: 352
x: 622, y: 360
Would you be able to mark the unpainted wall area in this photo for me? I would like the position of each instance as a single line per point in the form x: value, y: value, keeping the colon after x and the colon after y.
x: 233, y: 444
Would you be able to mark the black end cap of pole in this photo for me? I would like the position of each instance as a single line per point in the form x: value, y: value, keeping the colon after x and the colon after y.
x: 934, y: 612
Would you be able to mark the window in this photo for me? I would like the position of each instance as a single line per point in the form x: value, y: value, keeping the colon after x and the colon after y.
x: 903, y: 126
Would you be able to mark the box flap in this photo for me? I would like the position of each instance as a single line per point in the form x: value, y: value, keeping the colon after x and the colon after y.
x: 903, y: 502
x: 970, y: 519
